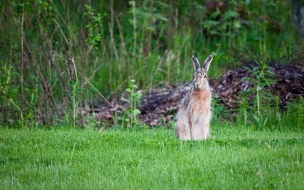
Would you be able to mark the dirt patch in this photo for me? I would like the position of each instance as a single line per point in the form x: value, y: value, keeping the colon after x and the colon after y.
x: 160, y: 105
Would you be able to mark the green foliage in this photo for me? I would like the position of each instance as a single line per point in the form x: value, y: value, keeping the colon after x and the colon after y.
x: 244, y: 108
x: 261, y: 109
x: 262, y: 77
x: 75, y: 103
x: 47, y: 13
x: 133, y: 112
x: 100, y: 46
x: 219, y: 112
x: 92, y: 123
x: 94, y: 26
x: 9, y: 96
x: 234, y: 158
x: 293, y: 116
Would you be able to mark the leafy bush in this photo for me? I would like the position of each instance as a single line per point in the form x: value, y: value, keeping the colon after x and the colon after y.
x: 65, y: 54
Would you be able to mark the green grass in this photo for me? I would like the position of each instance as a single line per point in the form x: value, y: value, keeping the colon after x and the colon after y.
x: 234, y: 158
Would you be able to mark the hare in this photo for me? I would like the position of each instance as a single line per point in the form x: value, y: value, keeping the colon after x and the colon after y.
x: 194, y: 114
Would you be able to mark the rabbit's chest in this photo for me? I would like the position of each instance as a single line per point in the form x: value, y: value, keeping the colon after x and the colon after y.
x: 201, y: 101
x: 202, y: 108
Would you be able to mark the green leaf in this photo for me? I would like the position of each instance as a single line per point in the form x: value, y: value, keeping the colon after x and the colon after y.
x: 135, y: 112
x: 126, y: 100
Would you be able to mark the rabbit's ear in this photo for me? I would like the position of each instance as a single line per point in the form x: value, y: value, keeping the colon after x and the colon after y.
x: 195, y: 62
x: 207, y: 62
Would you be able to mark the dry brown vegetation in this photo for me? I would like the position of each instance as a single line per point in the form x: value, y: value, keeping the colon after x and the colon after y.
x: 159, y: 106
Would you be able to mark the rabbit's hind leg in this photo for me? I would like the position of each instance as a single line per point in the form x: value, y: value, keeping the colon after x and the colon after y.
x: 197, y: 131
x: 206, y: 130
x: 182, y: 131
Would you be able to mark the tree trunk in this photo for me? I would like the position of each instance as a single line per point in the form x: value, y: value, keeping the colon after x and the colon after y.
x: 298, y: 15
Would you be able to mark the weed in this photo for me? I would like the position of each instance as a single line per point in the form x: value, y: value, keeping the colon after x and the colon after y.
x: 262, y: 77
x: 91, y: 122
x: 219, y: 112
x: 75, y: 103
x: 134, y: 99
x: 10, y: 96
x: 244, y: 108
x: 293, y: 117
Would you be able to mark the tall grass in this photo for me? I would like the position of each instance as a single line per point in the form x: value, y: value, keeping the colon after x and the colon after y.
x: 52, y: 46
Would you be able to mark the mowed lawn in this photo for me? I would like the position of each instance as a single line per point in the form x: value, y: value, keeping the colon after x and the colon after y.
x: 234, y: 158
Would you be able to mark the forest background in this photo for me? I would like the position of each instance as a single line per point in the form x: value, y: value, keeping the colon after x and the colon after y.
x: 59, y: 58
